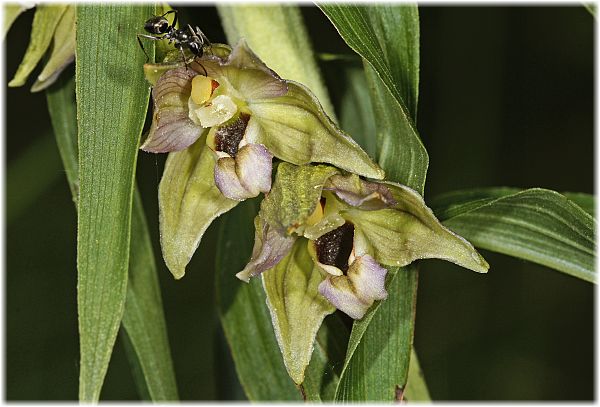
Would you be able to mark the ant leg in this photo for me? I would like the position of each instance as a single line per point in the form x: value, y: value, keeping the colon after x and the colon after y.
x: 174, y: 18
x: 142, y: 45
x: 205, y: 41
x: 183, y: 56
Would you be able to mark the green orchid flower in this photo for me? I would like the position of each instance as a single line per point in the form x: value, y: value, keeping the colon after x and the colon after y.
x: 224, y: 118
x: 323, y: 241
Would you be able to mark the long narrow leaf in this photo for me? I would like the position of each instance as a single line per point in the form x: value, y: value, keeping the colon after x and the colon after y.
x: 111, y: 107
x: 378, y: 356
x: 143, y: 317
x: 387, y: 37
x: 538, y: 225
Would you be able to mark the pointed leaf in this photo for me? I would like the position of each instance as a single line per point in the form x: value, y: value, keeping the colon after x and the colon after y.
x: 297, y: 310
x: 63, y: 50
x: 112, y: 100
x: 188, y: 202
x: 387, y: 37
x: 538, y: 225
x: 143, y: 317
x: 47, y: 17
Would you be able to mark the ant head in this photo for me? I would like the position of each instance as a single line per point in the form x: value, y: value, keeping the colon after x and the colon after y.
x: 195, y: 48
x: 157, y: 25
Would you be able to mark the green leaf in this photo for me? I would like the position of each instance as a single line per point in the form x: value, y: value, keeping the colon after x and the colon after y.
x: 44, y: 23
x: 297, y: 310
x: 401, y: 153
x: 538, y: 225
x: 586, y: 202
x: 11, y: 12
x: 416, y: 388
x: 356, y: 111
x: 386, y: 37
x: 143, y: 318
x: 112, y: 98
x: 63, y: 115
x: 188, y: 202
x: 244, y: 315
x: 378, y: 353
x: 63, y: 50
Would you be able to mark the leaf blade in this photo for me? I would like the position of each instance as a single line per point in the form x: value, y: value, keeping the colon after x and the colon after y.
x: 148, y: 345
x: 536, y: 224
x: 111, y: 106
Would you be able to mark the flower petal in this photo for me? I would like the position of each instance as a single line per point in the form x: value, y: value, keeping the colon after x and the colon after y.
x: 295, y: 129
x: 172, y: 129
x: 246, y: 73
x: 294, y: 195
x: 188, y: 202
x: 355, y: 293
x: 409, y: 231
x: 368, y: 279
x: 359, y: 193
x: 297, y: 310
x: 218, y: 111
x: 270, y: 247
x: 245, y: 176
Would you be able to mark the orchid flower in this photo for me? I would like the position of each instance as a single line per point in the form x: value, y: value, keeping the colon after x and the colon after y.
x: 224, y: 118
x: 326, y: 240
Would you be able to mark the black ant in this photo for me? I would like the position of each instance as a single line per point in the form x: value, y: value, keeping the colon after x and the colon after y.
x: 159, y: 27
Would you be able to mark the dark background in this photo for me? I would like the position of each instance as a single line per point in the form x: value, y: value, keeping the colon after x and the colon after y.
x: 506, y: 99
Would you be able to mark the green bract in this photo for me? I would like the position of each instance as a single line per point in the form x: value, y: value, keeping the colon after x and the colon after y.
x: 323, y: 237
x: 235, y: 115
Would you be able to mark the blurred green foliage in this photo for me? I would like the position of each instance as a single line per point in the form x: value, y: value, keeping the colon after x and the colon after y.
x: 506, y: 99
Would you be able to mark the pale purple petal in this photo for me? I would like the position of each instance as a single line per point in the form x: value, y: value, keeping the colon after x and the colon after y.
x: 338, y: 291
x: 368, y: 278
x: 360, y: 193
x: 172, y: 129
x: 227, y: 180
x: 270, y: 247
x: 247, y: 175
x: 254, y: 167
x: 355, y: 292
